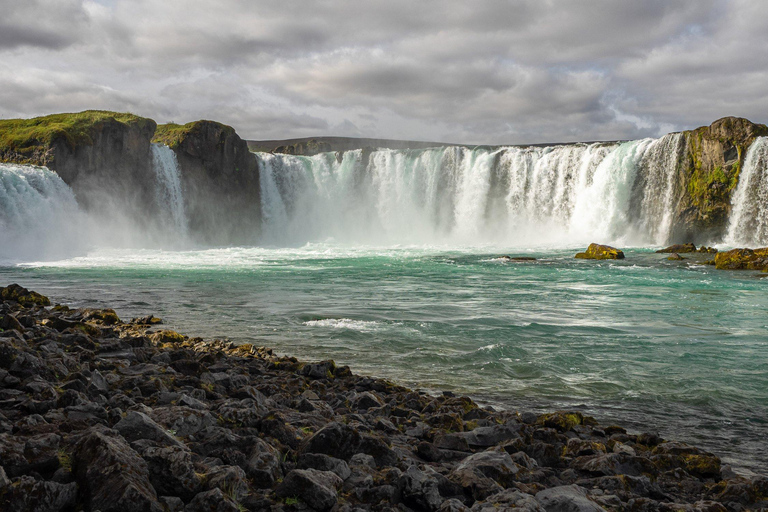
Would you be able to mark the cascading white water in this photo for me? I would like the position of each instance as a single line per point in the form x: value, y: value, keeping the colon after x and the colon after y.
x: 39, y: 216
x: 168, y: 192
x: 748, y: 224
x: 513, y: 195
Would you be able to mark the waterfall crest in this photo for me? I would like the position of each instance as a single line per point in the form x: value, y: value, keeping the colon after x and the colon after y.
x: 614, y: 192
x: 168, y: 191
x: 39, y: 216
x: 748, y: 224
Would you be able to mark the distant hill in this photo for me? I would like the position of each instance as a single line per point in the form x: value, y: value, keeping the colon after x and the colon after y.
x: 313, y: 145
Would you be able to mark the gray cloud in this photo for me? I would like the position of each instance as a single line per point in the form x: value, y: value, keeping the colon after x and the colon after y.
x: 495, y: 71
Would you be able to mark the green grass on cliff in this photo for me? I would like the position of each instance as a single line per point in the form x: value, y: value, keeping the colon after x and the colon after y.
x: 22, y: 137
x: 173, y: 134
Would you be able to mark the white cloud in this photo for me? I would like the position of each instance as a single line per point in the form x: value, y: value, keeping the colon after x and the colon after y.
x: 494, y: 71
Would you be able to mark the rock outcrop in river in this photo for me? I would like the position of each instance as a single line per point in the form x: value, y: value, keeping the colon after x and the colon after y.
x: 98, y: 414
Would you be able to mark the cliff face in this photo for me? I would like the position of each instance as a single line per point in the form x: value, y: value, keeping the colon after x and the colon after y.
x: 103, y: 156
x: 220, y: 179
x: 707, y: 176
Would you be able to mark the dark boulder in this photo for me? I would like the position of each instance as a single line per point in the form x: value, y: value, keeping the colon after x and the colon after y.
x: 112, y: 477
x: 315, y: 488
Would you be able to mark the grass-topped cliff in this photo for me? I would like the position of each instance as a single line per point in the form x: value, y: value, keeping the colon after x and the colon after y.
x: 28, y: 141
x: 172, y: 134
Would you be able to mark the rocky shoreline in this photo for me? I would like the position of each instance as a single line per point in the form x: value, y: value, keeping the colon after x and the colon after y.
x: 100, y: 414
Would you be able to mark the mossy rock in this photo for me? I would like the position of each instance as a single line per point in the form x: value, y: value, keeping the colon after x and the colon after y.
x: 600, y: 252
x: 561, y: 420
x: 675, y: 257
x: 166, y: 336
x: 103, y: 316
x: 23, y: 296
x: 705, y: 466
x: 742, y: 259
x: 678, y: 249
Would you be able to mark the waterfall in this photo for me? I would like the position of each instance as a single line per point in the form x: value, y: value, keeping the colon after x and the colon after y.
x: 168, y: 190
x: 573, y: 193
x: 748, y: 224
x: 39, y: 216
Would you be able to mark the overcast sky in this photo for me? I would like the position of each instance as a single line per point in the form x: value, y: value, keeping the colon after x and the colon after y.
x: 491, y: 72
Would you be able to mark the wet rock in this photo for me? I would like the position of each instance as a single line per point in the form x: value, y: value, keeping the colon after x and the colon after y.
x: 742, y: 259
x: 567, y: 498
x: 313, y: 487
x: 600, y: 252
x: 112, y: 476
x: 675, y: 257
x: 678, y: 248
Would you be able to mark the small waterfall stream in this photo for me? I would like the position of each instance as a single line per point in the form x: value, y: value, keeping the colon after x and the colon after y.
x: 168, y: 192
x: 748, y: 225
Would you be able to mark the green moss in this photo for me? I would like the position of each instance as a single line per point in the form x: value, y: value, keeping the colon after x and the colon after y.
x: 702, y: 465
x: 562, y: 421
x: 20, y: 138
x: 172, y: 134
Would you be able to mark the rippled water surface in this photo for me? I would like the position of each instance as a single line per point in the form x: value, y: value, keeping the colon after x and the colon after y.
x: 672, y: 347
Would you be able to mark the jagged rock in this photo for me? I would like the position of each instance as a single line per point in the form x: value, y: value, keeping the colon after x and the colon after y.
x: 335, y: 439
x: 112, y: 477
x: 482, y: 474
x: 212, y: 501
x: 137, y: 425
x: 323, y: 462
x: 171, y: 471
x: 184, y: 421
x: 509, y: 499
x: 420, y: 490
x: 263, y: 465
x: 567, y: 498
x: 27, y: 494
x: 230, y: 479
x: 313, y: 487
x: 600, y: 252
x: 321, y: 370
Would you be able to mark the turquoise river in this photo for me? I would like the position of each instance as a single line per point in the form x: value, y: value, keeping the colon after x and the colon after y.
x: 673, y: 347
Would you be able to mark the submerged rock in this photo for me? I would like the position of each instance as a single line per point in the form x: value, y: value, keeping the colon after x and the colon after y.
x: 600, y: 252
